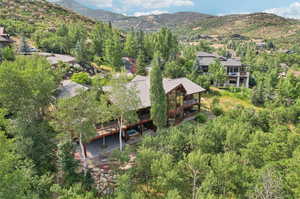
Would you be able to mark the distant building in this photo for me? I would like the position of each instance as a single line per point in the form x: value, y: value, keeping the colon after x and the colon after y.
x: 238, y: 75
x: 5, y: 39
x: 69, y: 89
x: 54, y: 59
x: 129, y: 64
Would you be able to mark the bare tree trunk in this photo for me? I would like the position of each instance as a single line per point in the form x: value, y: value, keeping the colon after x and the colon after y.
x: 83, y: 155
x: 194, y: 184
x: 120, y: 132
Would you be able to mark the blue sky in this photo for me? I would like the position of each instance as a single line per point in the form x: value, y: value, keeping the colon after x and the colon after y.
x: 286, y: 8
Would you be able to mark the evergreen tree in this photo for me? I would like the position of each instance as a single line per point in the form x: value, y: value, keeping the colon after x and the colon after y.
x: 81, y: 52
x: 131, y: 47
x: 98, y: 36
x: 166, y: 44
x: 157, y: 94
x: 113, y: 51
x: 141, y: 64
x: 24, y: 48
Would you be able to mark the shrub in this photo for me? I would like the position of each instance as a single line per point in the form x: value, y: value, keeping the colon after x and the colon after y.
x: 7, y: 54
x: 81, y: 78
x: 217, y: 111
x: 201, y: 118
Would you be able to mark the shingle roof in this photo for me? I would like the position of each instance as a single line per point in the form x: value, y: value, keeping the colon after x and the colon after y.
x: 56, y: 58
x: 5, y: 39
x: 142, y: 84
x: 205, y: 59
x: 205, y: 54
x: 69, y: 89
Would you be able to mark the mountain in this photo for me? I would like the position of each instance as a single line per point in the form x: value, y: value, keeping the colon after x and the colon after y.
x: 146, y: 23
x: 155, y: 22
x: 256, y: 25
x: 27, y: 16
x: 97, y: 14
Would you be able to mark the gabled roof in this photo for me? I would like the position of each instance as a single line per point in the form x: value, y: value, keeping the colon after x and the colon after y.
x: 69, y: 89
x: 142, y: 84
x: 205, y: 59
x: 54, y: 59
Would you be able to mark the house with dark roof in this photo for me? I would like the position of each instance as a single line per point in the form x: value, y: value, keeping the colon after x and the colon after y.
x: 5, y: 39
x: 183, y: 101
x: 237, y: 73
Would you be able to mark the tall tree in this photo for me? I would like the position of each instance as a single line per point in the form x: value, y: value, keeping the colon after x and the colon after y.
x: 131, y: 46
x: 81, y: 52
x: 77, y: 117
x: 15, y: 176
x: 166, y: 43
x: 125, y: 102
x: 26, y: 86
x: 24, y: 48
x: 141, y: 63
x: 217, y: 73
x: 113, y: 51
x: 157, y: 94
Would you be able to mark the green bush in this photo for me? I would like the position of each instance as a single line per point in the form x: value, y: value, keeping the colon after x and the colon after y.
x: 217, y: 111
x: 81, y: 78
x: 7, y: 54
x: 201, y: 118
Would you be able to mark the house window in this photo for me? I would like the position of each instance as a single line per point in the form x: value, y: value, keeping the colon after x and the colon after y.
x: 232, y: 81
x: 204, y: 69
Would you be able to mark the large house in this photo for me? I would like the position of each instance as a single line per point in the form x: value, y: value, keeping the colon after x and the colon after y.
x: 183, y: 101
x: 5, y: 39
x: 237, y: 73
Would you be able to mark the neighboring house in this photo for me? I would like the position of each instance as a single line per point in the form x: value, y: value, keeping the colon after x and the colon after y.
x: 54, y: 59
x: 238, y: 75
x: 129, y: 64
x: 183, y: 98
x: 69, y: 89
x: 4, y: 38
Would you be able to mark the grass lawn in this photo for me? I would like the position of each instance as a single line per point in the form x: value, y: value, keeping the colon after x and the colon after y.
x: 227, y: 100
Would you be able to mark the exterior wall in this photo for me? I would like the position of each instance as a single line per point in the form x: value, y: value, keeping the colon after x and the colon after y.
x: 241, y: 78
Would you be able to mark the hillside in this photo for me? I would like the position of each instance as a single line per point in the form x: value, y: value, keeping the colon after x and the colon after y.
x: 259, y: 25
x: 26, y: 16
x: 97, y: 14
x: 146, y: 23
x: 155, y: 22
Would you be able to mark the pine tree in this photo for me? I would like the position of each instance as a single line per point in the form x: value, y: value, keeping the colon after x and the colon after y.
x: 141, y: 64
x: 131, y: 46
x: 24, y: 48
x: 113, y: 51
x: 157, y: 94
x: 81, y: 52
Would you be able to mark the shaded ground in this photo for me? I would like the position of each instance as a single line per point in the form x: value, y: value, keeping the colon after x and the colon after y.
x: 103, y: 147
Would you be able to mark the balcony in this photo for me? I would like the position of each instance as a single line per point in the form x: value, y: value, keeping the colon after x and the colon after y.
x: 190, y: 102
x: 234, y: 74
x: 238, y: 74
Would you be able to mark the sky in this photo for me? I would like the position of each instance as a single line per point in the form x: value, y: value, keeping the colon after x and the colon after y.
x: 285, y: 8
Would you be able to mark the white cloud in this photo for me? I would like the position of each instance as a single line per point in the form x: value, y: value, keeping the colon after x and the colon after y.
x: 155, y: 12
x: 233, y: 13
x: 293, y: 11
x: 155, y: 4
